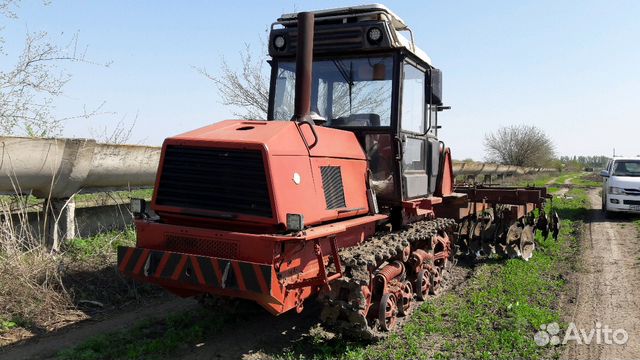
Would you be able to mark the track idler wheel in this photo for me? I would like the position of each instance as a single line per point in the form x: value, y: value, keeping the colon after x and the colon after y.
x: 423, y: 285
x: 407, y: 297
x: 387, y: 312
x: 527, y: 243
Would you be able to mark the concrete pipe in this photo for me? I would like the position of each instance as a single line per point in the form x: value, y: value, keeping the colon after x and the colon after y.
x: 59, y: 168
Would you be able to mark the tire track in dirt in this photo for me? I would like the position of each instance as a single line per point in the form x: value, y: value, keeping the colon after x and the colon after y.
x: 47, y: 346
x: 607, y: 285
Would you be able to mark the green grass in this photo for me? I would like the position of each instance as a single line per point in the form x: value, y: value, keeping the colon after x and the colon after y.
x: 494, y: 317
x: 588, y: 180
x: 103, y: 243
x: 546, y: 179
x: 117, y: 195
x: 26, y: 201
x: 150, y: 339
x: 538, y: 180
x: 542, y: 181
x: 562, y: 178
x: 6, y: 325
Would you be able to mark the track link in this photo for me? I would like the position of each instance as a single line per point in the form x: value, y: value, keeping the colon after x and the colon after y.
x: 383, y: 275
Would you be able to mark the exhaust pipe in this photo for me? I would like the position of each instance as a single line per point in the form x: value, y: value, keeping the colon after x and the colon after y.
x: 304, y: 63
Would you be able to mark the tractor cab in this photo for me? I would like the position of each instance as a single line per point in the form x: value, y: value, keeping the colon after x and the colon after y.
x: 367, y: 78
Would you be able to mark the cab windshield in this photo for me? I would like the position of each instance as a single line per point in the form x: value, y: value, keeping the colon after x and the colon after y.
x: 346, y: 92
x: 626, y: 168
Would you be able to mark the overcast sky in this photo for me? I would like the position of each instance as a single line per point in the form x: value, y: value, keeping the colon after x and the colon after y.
x: 569, y: 67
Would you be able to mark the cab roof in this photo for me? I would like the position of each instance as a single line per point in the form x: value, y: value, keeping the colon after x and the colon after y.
x: 363, y: 13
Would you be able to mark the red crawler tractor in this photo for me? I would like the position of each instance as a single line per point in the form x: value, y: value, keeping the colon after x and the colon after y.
x: 348, y: 197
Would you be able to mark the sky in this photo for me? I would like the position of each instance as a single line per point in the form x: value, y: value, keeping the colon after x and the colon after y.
x: 569, y: 67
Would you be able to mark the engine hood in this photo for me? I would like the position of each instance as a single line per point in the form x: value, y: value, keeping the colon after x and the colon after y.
x: 278, y: 138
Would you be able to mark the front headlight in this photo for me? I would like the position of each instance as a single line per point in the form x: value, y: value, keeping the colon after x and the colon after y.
x: 374, y: 35
x: 279, y: 42
x: 616, y: 190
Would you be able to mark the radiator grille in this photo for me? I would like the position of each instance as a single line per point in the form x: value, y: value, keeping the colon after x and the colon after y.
x: 202, y: 246
x: 631, y: 202
x: 632, y: 192
x: 332, y: 185
x: 230, y: 181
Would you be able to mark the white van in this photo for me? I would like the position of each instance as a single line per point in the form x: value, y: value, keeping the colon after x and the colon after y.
x: 621, y: 185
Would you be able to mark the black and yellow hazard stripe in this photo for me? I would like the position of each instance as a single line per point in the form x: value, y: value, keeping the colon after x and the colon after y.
x: 195, y: 270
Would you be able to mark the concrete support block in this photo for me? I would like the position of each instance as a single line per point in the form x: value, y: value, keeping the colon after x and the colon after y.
x: 60, y: 223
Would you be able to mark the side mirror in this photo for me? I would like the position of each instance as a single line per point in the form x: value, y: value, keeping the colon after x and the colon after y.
x: 435, y: 87
x: 604, y: 173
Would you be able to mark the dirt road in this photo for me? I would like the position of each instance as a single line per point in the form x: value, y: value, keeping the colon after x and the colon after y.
x: 606, y: 286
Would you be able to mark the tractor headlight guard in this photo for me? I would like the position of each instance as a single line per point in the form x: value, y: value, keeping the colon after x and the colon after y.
x: 138, y: 208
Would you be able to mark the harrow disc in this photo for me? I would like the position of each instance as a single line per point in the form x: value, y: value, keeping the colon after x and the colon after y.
x: 555, y: 225
x: 475, y: 240
x: 513, y: 240
x: 527, y: 243
x: 488, y: 239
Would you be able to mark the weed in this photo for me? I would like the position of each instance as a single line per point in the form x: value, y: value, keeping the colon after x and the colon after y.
x: 100, y: 244
x: 7, y: 325
x: 31, y: 288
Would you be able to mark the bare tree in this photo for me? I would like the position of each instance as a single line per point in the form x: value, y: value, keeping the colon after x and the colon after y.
x: 118, y: 134
x: 247, y: 90
x: 29, y: 86
x: 521, y: 145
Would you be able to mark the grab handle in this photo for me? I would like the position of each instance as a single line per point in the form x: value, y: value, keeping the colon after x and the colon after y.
x: 313, y: 131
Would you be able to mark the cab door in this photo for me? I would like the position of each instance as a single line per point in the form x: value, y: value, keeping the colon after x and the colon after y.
x: 413, y: 132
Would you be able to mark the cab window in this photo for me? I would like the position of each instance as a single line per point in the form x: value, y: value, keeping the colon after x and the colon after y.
x: 346, y: 91
x: 413, y: 99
